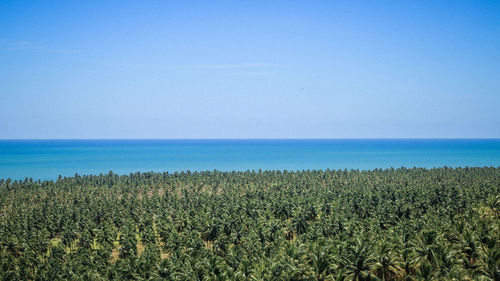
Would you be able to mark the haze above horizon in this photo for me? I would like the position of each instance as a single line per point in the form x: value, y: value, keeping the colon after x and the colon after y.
x: 238, y: 70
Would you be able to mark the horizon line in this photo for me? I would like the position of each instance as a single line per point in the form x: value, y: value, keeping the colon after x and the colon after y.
x: 347, y: 138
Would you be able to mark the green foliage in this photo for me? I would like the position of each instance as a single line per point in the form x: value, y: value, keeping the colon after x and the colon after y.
x: 393, y: 224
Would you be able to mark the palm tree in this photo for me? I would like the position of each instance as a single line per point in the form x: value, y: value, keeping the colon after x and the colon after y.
x: 358, y: 263
x: 319, y: 259
x: 385, y: 266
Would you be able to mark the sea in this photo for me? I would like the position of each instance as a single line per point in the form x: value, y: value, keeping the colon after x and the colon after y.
x: 47, y: 159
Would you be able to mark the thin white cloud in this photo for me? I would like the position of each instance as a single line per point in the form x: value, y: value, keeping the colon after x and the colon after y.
x: 236, y: 65
x: 26, y: 46
x: 245, y: 68
x: 252, y: 74
x: 134, y: 65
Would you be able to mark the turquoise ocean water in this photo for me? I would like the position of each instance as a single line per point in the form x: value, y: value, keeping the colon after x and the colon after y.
x: 46, y: 159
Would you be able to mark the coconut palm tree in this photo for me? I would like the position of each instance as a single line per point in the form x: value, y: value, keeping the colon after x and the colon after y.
x: 386, y: 266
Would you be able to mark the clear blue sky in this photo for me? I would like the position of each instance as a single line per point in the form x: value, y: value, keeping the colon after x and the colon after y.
x: 249, y: 69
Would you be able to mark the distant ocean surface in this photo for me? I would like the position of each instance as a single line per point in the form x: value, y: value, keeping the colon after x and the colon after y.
x: 47, y: 159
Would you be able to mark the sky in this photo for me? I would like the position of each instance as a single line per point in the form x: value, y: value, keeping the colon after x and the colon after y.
x: 249, y: 69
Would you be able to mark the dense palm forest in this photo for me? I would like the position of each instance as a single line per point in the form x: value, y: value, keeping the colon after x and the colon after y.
x: 394, y: 224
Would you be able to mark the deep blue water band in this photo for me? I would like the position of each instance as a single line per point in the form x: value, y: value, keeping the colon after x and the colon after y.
x: 46, y: 159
